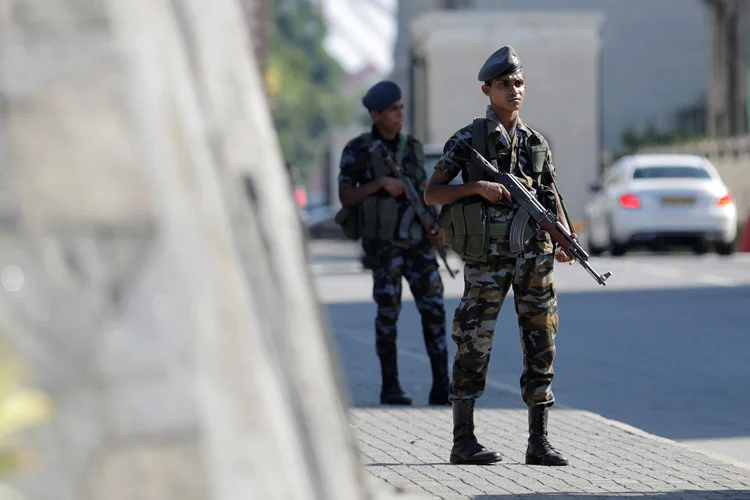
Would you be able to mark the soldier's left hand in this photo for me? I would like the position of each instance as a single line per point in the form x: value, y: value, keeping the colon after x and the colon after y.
x: 436, y: 238
x: 562, y: 256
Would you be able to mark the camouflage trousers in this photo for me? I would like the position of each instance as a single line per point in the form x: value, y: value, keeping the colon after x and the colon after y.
x: 416, y: 262
x: 485, y: 287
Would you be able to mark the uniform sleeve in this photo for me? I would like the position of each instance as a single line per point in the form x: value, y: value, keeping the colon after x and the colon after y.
x: 552, y: 173
x: 455, y: 154
x: 348, y: 171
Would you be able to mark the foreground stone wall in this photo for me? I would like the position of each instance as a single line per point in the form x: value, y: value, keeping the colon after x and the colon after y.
x: 154, y: 278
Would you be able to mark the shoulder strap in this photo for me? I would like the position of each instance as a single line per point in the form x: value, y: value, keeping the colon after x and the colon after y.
x: 479, y: 135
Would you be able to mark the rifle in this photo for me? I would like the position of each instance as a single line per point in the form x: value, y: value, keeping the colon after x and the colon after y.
x: 536, y: 211
x: 425, y: 216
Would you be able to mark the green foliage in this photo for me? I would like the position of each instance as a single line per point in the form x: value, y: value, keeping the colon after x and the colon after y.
x: 303, y: 83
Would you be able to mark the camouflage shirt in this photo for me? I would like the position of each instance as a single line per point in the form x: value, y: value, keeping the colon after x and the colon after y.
x: 356, y: 168
x: 456, y: 158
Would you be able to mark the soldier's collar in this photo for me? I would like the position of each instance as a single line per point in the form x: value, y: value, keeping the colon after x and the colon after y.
x: 496, y: 126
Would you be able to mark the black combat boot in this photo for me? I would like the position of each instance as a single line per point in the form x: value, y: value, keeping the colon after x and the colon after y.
x: 391, y: 392
x: 539, y: 451
x: 466, y: 449
x: 441, y: 384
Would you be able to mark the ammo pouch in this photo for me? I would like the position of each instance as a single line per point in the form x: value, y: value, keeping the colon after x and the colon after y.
x: 379, y: 217
x: 466, y: 229
x: 348, y: 219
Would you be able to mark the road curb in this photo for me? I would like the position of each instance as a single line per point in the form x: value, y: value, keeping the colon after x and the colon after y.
x: 640, y: 432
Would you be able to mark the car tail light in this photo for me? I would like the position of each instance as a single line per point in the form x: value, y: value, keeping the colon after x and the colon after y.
x: 725, y: 200
x: 629, y: 201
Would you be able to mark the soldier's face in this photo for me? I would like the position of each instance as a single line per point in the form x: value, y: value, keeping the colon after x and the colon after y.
x: 507, y: 92
x: 391, y: 118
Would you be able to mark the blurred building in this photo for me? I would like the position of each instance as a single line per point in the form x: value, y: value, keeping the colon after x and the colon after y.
x: 654, y: 56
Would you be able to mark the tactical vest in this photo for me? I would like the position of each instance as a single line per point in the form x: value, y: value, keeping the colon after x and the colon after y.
x: 536, y: 149
x: 466, y: 223
x: 379, y: 213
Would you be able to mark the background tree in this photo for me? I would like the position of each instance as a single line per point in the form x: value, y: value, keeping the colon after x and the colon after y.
x: 303, y: 83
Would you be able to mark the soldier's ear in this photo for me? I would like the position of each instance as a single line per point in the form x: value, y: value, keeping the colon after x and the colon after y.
x: 486, y: 89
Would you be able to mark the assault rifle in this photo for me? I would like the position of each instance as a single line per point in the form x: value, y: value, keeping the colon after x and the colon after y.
x: 533, y: 209
x: 425, y: 216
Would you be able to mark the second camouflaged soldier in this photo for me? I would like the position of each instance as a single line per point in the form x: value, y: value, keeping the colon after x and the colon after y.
x: 476, y: 219
x: 393, y: 238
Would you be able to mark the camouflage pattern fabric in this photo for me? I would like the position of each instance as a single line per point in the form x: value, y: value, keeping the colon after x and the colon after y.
x: 456, y: 155
x: 415, y: 261
x: 355, y: 168
x: 529, y: 273
x: 485, y: 289
x: 412, y: 258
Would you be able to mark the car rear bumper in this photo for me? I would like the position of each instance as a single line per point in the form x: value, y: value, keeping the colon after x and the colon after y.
x: 676, y: 237
x: 716, y: 225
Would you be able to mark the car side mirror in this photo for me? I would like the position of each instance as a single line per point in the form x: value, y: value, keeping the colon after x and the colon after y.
x: 595, y: 187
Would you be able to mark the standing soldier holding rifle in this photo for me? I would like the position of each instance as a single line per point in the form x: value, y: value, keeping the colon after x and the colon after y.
x: 382, y: 176
x: 477, y: 218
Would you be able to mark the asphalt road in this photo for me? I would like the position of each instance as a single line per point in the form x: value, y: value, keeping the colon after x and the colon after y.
x: 664, y: 347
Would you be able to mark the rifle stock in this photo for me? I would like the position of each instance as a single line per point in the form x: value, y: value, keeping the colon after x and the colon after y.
x: 425, y: 216
x: 543, y: 217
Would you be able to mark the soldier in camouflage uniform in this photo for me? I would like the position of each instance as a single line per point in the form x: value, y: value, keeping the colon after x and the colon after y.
x: 394, y: 240
x: 476, y: 219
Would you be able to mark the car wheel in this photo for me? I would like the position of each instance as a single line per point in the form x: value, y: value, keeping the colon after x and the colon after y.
x: 618, y: 249
x: 725, y: 248
x: 700, y: 247
x: 594, y: 250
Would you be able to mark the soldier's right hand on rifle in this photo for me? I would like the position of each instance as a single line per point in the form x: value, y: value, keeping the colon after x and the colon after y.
x: 394, y: 187
x: 492, y: 191
x: 436, y: 238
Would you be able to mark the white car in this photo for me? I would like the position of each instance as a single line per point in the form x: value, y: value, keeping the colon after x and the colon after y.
x: 658, y: 199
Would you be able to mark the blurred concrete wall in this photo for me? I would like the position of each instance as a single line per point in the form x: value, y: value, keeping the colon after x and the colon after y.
x: 160, y: 293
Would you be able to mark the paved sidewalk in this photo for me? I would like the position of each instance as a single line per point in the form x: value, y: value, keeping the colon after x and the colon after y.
x: 408, y: 448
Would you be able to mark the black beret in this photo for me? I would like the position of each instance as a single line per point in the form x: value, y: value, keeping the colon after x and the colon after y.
x: 381, y: 95
x: 501, y: 62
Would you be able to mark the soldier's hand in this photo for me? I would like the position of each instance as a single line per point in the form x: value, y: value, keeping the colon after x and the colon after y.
x: 436, y: 238
x: 562, y: 256
x: 394, y: 187
x: 492, y: 191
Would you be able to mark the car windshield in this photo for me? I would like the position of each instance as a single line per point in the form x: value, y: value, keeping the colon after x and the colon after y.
x: 671, y: 172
